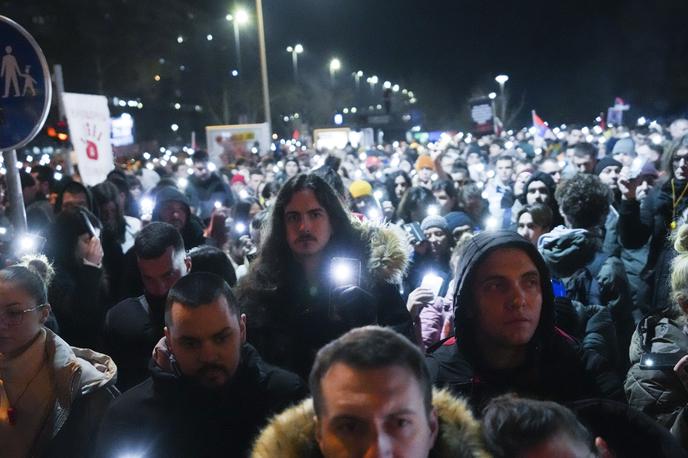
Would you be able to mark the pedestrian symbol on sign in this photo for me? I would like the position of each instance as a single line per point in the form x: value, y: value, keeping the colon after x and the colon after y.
x: 10, y: 71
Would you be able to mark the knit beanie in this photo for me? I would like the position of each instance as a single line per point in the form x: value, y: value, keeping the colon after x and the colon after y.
x: 360, y: 188
x: 425, y: 162
x: 434, y: 221
x: 607, y: 161
x: 624, y: 146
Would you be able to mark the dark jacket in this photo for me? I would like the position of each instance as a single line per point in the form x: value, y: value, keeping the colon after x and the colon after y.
x: 192, y: 232
x: 656, y: 392
x: 84, y: 385
x: 203, y: 195
x: 168, y: 416
x: 556, y: 368
x: 289, y: 325
x: 291, y: 434
x: 591, y: 277
x: 651, y: 220
x: 132, y: 328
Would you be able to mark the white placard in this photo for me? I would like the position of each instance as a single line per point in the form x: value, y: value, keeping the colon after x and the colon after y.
x: 228, y: 143
x: 88, y: 118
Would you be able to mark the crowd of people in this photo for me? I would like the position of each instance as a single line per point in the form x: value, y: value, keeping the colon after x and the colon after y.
x: 497, y: 296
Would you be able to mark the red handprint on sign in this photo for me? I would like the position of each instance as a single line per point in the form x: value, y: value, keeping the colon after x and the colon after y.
x: 91, y: 145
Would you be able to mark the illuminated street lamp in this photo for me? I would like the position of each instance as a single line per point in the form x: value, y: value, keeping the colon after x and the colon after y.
x: 373, y: 80
x: 357, y: 77
x: 501, y: 80
x: 295, y: 51
x: 335, y: 66
x: 240, y: 17
x: 492, y: 95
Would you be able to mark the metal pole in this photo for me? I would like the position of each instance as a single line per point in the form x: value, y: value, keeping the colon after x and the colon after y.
x: 14, y: 191
x: 263, y: 63
x: 295, y: 63
x: 501, y: 96
x: 59, y: 88
x: 237, y: 46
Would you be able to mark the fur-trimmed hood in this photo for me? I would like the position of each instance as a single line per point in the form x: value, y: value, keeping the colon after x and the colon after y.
x: 388, y: 250
x: 291, y: 434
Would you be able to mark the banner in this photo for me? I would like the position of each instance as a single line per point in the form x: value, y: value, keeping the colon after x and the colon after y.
x: 482, y: 115
x: 88, y: 118
x: 228, y: 143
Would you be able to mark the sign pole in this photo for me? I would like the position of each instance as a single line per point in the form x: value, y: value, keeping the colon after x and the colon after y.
x: 14, y: 191
x: 59, y: 88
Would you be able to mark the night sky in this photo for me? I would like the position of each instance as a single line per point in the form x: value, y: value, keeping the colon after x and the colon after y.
x: 566, y: 59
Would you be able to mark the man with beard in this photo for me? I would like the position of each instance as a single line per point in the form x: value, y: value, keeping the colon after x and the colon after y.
x: 207, y: 187
x: 209, y: 392
x: 173, y: 207
x: 133, y: 326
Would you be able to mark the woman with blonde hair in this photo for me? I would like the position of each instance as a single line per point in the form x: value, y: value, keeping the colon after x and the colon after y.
x: 52, y: 396
x: 657, y: 383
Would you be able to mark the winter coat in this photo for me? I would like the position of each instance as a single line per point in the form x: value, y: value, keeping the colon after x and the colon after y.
x: 203, y: 195
x: 659, y: 393
x: 590, y: 277
x: 84, y: 387
x: 289, y: 325
x: 556, y: 367
x: 651, y: 221
x: 291, y: 434
x: 132, y: 328
x: 436, y: 321
x: 627, y: 432
x: 593, y: 327
x: 169, y: 416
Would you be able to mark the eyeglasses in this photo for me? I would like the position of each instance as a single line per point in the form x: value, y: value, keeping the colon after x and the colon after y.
x: 14, y: 317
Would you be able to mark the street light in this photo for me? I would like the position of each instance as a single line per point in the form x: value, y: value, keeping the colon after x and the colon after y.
x: 335, y: 66
x: 295, y: 51
x: 240, y: 17
x: 373, y: 80
x: 501, y: 80
x: 357, y: 77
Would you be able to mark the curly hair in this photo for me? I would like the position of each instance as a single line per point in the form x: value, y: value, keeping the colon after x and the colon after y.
x: 584, y: 200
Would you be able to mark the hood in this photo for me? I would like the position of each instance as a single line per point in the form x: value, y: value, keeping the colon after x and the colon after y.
x: 78, y: 371
x: 166, y: 194
x: 567, y: 250
x: 388, y: 250
x: 291, y: 434
x: 474, y: 253
x: 79, y: 188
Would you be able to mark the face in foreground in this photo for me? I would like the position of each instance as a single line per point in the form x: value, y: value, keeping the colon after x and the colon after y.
x: 308, y: 224
x: 206, y: 341
x: 508, y: 297
x: 17, y: 328
x: 373, y: 413
x: 159, y: 274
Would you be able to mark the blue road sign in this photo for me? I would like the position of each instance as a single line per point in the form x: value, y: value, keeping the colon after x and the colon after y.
x: 25, y: 87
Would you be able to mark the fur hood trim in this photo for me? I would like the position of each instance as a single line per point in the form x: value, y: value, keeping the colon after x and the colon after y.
x: 388, y: 250
x: 291, y: 434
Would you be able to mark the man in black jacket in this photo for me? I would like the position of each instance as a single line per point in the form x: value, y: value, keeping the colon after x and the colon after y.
x: 209, y: 392
x: 506, y: 340
x: 134, y: 326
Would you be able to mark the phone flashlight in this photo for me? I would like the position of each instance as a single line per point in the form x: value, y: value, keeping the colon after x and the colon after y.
x: 147, y: 205
x: 218, y: 205
x: 345, y: 271
x: 433, y: 282
x: 433, y: 210
x: 240, y: 228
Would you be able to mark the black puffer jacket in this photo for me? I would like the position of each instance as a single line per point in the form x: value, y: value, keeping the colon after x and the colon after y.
x: 168, y: 416
x: 556, y: 367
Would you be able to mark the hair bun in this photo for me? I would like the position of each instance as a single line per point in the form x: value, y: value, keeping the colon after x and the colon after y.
x: 39, y: 264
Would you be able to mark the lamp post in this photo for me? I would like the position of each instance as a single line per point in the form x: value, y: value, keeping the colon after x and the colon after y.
x: 335, y: 66
x: 295, y: 51
x: 240, y: 17
x: 501, y: 80
x: 373, y: 80
x: 263, y: 63
x: 357, y: 78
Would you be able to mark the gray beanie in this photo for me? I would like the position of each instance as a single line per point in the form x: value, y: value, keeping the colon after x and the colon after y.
x: 434, y: 221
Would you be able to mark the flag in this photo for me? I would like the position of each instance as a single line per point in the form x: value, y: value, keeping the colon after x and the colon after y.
x: 539, y: 125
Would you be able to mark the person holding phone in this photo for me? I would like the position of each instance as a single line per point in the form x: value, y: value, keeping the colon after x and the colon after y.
x: 79, y: 294
x: 657, y: 382
x: 292, y: 293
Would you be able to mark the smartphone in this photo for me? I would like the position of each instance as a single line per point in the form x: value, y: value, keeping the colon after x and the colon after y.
x: 415, y: 232
x: 345, y: 272
x: 91, y: 229
x: 433, y: 282
x: 660, y: 361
